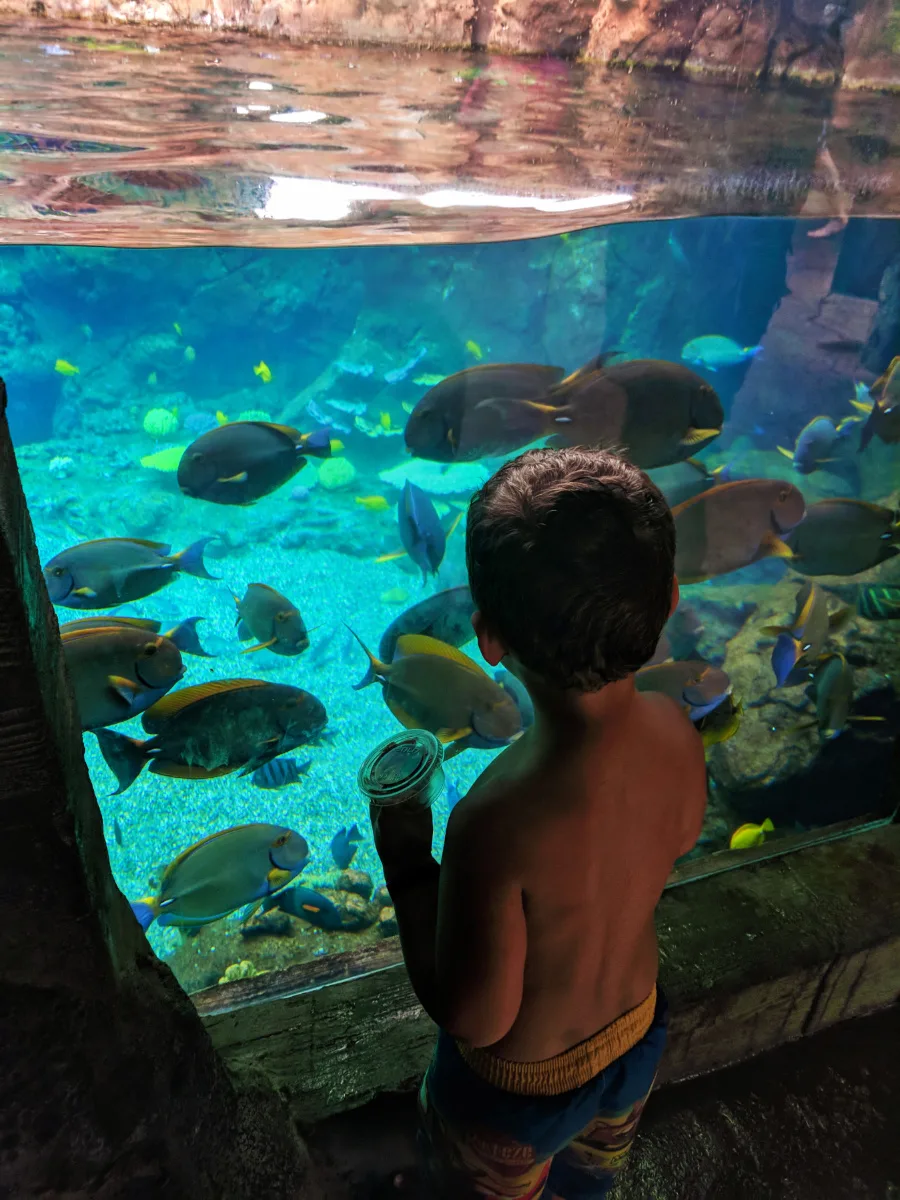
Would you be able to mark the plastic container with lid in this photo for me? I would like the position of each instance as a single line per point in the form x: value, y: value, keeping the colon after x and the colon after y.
x: 404, y: 768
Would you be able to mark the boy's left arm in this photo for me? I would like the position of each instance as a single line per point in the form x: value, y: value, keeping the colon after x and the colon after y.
x: 462, y: 924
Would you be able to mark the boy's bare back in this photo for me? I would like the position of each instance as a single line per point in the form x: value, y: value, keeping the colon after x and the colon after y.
x: 581, y: 828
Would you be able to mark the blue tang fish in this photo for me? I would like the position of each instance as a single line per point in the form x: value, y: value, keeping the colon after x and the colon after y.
x: 280, y: 772
x: 695, y: 686
x: 816, y: 443
x: 421, y: 531
x: 308, y: 905
x: 222, y: 873
x: 343, y: 846
x: 800, y: 642
x: 714, y: 351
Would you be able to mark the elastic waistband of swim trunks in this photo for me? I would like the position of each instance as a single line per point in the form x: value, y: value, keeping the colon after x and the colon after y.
x: 571, y: 1069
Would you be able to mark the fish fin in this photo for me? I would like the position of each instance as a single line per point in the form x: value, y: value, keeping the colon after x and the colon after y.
x: 261, y: 646
x: 862, y: 406
x: 773, y: 546
x: 368, y: 678
x: 125, y: 756
x: 173, y: 770
x: 174, y: 702
x: 288, y: 430
x: 243, y: 632
x: 184, y: 635
x: 787, y: 453
x: 867, y: 718
x: 126, y: 688
x: 383, y: 558
x: 446, y: 736
x: 353, y: 834
x: 837, y: 620
x: 145, y: 910
x: 256, y: 906
x: 774, y: 630
x: 453, y: 524
x: 278, y: 878
x: 86, y: 592
x: 420, y: 643
x: 701, y: 467
x: 376, y: 666
x: 597, y: 363
x: 537, y: 406
x: 767, y: 826
x: 190, y: 560
x: 694, y: 436
x: 241, y: 477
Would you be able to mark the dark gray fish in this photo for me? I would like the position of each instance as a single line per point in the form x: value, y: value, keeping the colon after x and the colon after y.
x: 243, y: 461
x: 110, y: 571
x: 308, y: 905
x: 344, y: 847
x: 446, y: 616
x: 280, y: 772
x: 421, y: 531
x: 184, y: 634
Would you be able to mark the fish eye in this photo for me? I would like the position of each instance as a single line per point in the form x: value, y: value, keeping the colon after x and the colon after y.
x: 196, y: 456
x: 57, y: 571
x: 281, y: 839
x: 784, y: 494
x: 149, y: 649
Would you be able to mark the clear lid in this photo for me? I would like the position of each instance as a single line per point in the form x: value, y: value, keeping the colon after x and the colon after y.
x: 406, y: 766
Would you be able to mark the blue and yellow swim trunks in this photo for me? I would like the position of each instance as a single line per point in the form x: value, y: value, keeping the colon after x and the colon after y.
x: 560, y: 1129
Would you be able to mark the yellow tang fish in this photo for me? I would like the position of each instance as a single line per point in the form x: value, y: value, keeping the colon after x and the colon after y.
x: 66, y: 368
x: 384, y: 420
x: 474, y: 349
x: 262, y: 372
x: 373, y: 503
x: 336, y: 445
x: 749, y: 835
x: 176, y: 327
x: 220, y: 417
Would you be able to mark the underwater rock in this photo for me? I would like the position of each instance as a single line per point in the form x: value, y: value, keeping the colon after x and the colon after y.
x: 448, y: 479
x: 336, y: 473
x: 884, y: 339
x: 273, y: 923
x: 359, y: 882
x: 387, y: 922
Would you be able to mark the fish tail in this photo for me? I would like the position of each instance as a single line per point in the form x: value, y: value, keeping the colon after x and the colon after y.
x: 376, y: 666
x: 869, y: 429
x: 145, y: 910
x: 124, y: 756
x: 317, y: 443
x: 184, y: 635
x: 753, y: 351
x: 767, y: 826
x: 191, y: 559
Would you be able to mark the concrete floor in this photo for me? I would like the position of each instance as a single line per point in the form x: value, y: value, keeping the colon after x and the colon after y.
x: 814, y: 1120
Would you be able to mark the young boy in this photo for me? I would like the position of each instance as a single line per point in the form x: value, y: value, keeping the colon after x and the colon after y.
x: 532, y: 944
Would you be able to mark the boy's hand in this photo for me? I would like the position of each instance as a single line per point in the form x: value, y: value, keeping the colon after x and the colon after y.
x: 403, y: 836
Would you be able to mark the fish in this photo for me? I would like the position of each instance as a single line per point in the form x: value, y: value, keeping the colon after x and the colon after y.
x: 243, y: 461
x: 800, y: 643
x: 343, y: 846
x: 421, y: 531
x: 430, y: 685
x: 879, y: 603
x: 455, y: 421
x: 684, y: 480
x: 515, y: 688
x: 117, y: 832
x: 714, y: 351
x: 400, y: 373
x: 695, y: 686
x: 167, y: 460
x: 309, y: 906
x: 843, y: 537
x: 190, y: 354
x: 655, y: 413
x: 280, y: 772
x: 428, y: 380
x: 272, y: 619
x: 262, y: 372
x: 63, y: 367
x: 214, y: 729
x: 221, y: 419
x: 445, y: 616
x: 832, y: 692
x: 394, y: 596
x: 224, y: 872
x: 117, y: 671
x: 384, y: 420
x: 816, y: 443
x: 184, y: 634
x: 475, y: 350
x: 746, y: 836
x: 722, y: 723
x: 111, y: 571
x: 733, y: 525
x: 882, y: 410
x: 176, y: 327
x: 452, y: 793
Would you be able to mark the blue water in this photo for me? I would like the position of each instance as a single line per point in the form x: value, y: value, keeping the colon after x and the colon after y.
x: 353, y: 338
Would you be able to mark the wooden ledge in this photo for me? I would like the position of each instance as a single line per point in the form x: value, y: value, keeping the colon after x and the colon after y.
x: 750, y: 958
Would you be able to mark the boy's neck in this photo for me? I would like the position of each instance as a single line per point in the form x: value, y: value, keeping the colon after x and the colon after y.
x: 573, y: 712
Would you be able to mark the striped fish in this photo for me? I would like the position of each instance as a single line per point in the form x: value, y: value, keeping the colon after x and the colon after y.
x: 879, y: 603
x: 280, y: 772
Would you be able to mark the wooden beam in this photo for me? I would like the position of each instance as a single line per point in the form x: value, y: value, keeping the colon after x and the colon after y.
x: 750, y: 958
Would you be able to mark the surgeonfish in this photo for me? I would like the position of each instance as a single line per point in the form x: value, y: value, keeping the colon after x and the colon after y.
x: 684, y: 480
x: 111, y: 571
x: 262, y: 372
x: 214, y: 729
x: 722, y: 723
x: 308, y: 905
x: 832, y: 692
x: 816, y: 443
x: 878, y: 603
x: 696, y: 687
x: 224, y: 872
x: 272, y: 619
x: 800, y: 642
x: 243, y: 461
x: 430, y: 685
x: 280, y: 772
x: 881, y: 405
x: 63, y: 367
x: 344, y: 846
x: 184, y: 634
x: 733, y: 525
x: 843, y: 537
x: 373, y: 503
x: 445, y: 616
x: 749, y: 835
x: 118, y: 671
x: 714, y: 351
x: 421, y: 532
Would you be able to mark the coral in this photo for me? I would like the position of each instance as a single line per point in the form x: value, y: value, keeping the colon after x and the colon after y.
x: 199, y: 422
x: 61, y: 467
x: 255, y: 414
x: 164, y: 460
x: 239, y: 970
x: 458, y: 479
x: 160, y: 422
x: 336, y: 473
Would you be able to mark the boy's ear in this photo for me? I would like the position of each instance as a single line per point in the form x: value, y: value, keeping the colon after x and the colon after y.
x: 492, y: 649
x: 676, y: 595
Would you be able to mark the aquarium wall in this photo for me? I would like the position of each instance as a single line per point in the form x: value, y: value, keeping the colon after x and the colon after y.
x: 219, y: 653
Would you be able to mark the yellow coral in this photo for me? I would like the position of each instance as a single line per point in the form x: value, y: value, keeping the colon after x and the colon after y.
x: 239, y: 970
x: 336, y: 473
x: 160, y: 422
